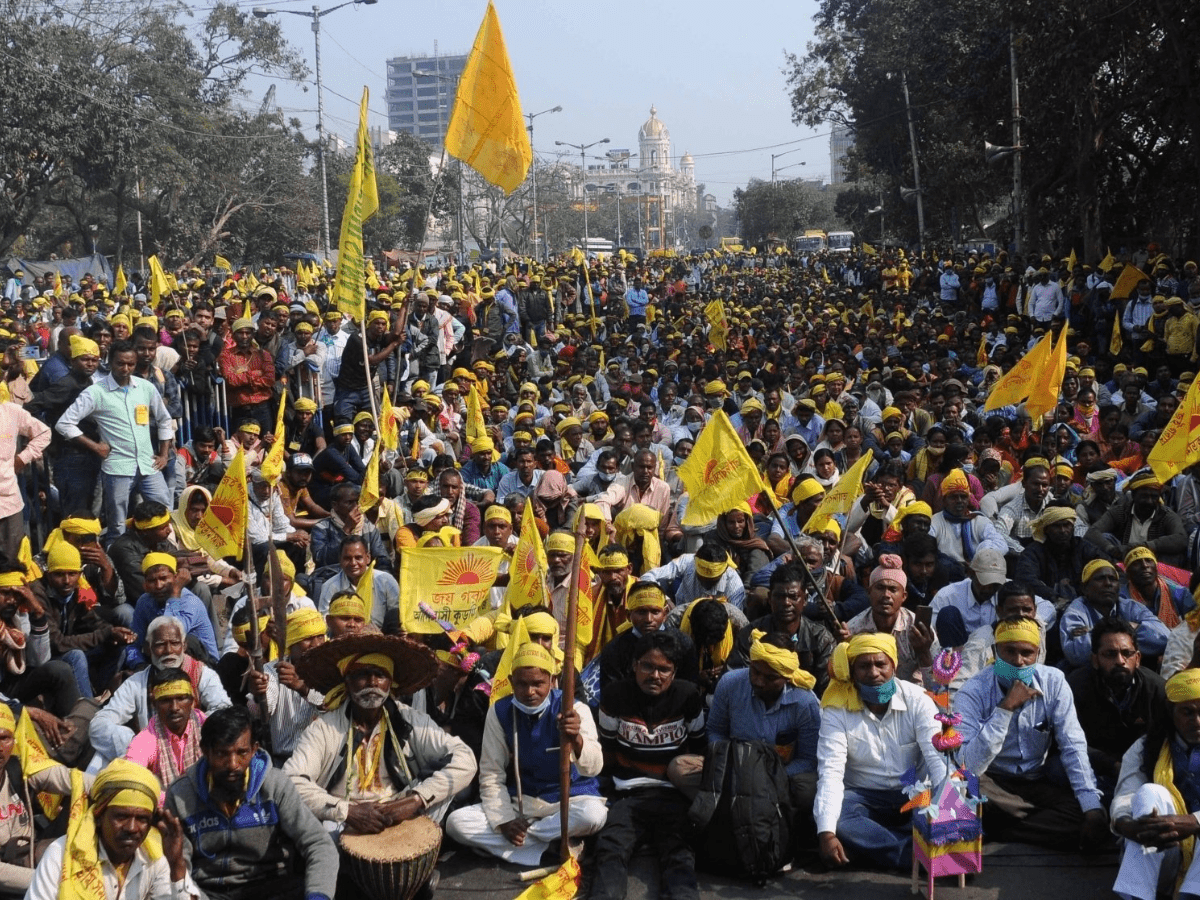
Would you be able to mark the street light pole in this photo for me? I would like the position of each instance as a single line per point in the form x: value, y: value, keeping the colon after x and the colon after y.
x: 912, y: 138
x: 583, y: 171
x: 316, y: 14
x: 423, y: 73
x: 531, y: 117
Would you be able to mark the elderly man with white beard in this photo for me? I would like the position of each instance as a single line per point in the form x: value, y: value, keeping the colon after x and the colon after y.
x: 128, y: 710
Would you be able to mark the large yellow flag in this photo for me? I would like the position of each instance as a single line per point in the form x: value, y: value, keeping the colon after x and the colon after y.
x: 845, y: 491
x: 454, y: 581
x: 1108, y: 262
x: 389, y: 431
x: 34, y: 759
x: 501, y: 683
x: 868, y: 249
x: 349, y: 291
x: 222, y: 530
x: 272, y: 466
x: 159, y: 286
x: 120, y: 283
x: 476, y: 425
x: 719, y: 474
x: 719, y: 332
x: 1127, y: 282
x: 1115, y: 343
x: 1179, y: 444
x: 368, y: 497
x: 487, y: 130
x: 221, y: 262
x: 1015, y: 385
x: 1043, y: 396
x: 527, y: 572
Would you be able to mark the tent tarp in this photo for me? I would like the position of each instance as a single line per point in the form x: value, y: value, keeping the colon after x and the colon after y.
x: 71, y: 269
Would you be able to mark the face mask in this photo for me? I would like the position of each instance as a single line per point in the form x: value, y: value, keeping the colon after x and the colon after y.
x: 606, y: 477
x: 935, y: 451
x: 694, y: 427
x: 1007, y: 673
x: 533, y: 710
x: 878, y: 693
x: 679, y: 460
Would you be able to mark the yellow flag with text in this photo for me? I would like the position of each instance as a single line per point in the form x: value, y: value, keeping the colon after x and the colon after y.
x: 719, y: 332
x: 719, y: 474
x: 1179, y: 444
x: 501, y: 683
x: 159, y: 286
x: 34, y: 759
x: 272, y: 465
x: 561, y: 884
x: 1015, y: 385
x: 362, y: 201
x: 120, y: 283
x: 1043, y: 396
x: 389, y: 432
x: 527, y: 572
x: 454, y: 581
x: 846, y: 490
x: 487, y: 130
x: 222, y: 529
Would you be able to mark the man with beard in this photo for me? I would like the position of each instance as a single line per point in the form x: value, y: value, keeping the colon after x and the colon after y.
x: 243, y: 822
x: 371, y: 761
x: 110, y: 730
x: 1116, y: 699
x: 1053, y: 564
x: 888, y: 615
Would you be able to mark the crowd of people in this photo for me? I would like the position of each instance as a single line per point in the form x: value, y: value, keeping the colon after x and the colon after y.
x: 1047, y: 553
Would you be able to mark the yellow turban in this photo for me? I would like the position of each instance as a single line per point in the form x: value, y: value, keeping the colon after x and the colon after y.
x: 1139, y: 553
x: 80, y: 526
x: 1184, y: 686
x: 378, y: 316
x: 560, y: 542
x: 124, y: 783
x: 643, y: 594
x: 241, y: 633
x: 956, y: 483
x: 1024, y: 630
x: 8, y: 722
x: 752, y: 405
x: 241, y: 324
x: 822, y: 525
x: 482, y: 445
x: 714, y: 387
x: 805, y: 489
x: 782, y: 662
x: 12, y: 580
x: 611, y: 559
x: 304, y: 624
x: 1095, y: 566
x: 1050, y: 516
x: 498, y: 513
x: 841, y: 693
x: 568, y: 423
x: 148, y: 322
x: 63, y: 558
x: 639, y: 520
x: 1143, y: 479
x: 356, y: 660
x: 81, y: 346
x: 535, y: 656
x: 541, y: 623
x: 159, y: 559
x: 1035, y: 462
x: 305, y: 405
x: 351, y: 606
x: 920, y: 508
x: 890, y: 412
x: 592, y: 511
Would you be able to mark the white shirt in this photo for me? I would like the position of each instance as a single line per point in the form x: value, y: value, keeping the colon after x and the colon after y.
x: 145, y: 879
x: 860, y: 750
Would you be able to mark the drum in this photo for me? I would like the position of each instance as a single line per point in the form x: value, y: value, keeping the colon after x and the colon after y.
x: 393, y: 864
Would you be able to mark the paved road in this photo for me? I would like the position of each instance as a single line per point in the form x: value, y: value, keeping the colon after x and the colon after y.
x: 1010, y: 872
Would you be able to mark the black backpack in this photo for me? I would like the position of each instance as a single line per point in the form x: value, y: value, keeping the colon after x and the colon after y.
x: 744, y: 794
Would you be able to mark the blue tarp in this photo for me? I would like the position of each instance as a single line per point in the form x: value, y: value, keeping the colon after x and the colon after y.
x: 70, y: 269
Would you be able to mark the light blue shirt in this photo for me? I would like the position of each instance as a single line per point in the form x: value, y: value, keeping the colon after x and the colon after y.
x: 637, y: 301
x: 187, y: 607
x: 1018, y: 743
x: 385, y: 595
x: 680, y: 583
x: 124, y: 416
x: 977, y: 615
x: 511, y: 484
x: 792, y: 724
x: 1152, y: 634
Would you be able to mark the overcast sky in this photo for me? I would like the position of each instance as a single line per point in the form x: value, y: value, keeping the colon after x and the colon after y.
x: 712, y: 69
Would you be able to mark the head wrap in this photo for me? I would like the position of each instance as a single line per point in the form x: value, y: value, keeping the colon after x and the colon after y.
x: 560, y: 542
x: 541, y: 623
x: 1095, y: 566
x: 8, y: 722
x: 159, y: 559
x: 497, y: 513
x: 1035, y: 462
x: 535, y: 656
x: 425, y: 516
x: 891, y: 412
x: 73, y: 525
x: 1026, y: 630
x: 124, y: 783
x: 416, y: 474
x: 643, y: 594
x: 920, y: 508
x: 64, y: 558
x: 1184, y: 686
x: 611, y: 559
x: 240, y: 325
x: 241, y: 633
x: 303, y: 624
x: 1049, y: 516
x: 782, y: 662
x: 1064, y: 469
x: 1145, y: 478
x: 348, y: 606
x: 720, y: 651
x: 482, y: 445
x: 752, y: 405
x: 179, y: 686
x: 711, y: 570
x: 805, y: 489
x: 1139, y: 553
x: 714, y: 387
x: 250, y: 428
x: 638, y: 520
x: 81, y: 346
x: 842, y: 693
x: 890, y: 568
x: 592, y: 511
x: 305, y: 405
x: 152, y: 522
x: 364, y: 416
x: 956, y: 483
x: 12, y: 579
x: 1103, y: 475
x: 354, y: 661
x: 344, y: 428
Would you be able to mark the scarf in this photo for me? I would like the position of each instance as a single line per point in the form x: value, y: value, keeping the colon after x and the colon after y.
x: 1167, y: 614
x: 964, y: 529
x: 459, y: 512
x: 185, y: 532
x: 741, y: 545
x: 1164, y: 774
x: 168, y: 772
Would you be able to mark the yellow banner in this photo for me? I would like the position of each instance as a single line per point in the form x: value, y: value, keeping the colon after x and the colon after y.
x: 455, y: 581
x: 1179, y: 444
x: 1015, y: 385
x: 349, y: 292
x: 272, y: 465
x: 719, y: 474
x: 1044, y: 395
x: 527, y: 572
x: 1108, y: 262
x: 719, y: 332
x: 841, y: 497
x: 487, y: 130
x: 222, y: 530
x: 389, y: 432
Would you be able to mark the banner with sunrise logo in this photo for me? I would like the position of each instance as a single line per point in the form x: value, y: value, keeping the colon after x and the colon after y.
x: 454, y: 581
x: 719, y: 474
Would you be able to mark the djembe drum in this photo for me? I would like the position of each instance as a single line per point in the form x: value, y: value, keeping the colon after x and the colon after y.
x: 393, y: 864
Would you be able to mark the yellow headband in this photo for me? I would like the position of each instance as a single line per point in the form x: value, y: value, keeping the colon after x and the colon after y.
x: 80, y: 526
x: 304, y: 624
x: 344, y: 428
x: 355, y: 661
x: 497, y: 513
x: 347, y: 606
x: 841, y: 692
x: 250, y: 428
x: 1184, y: 686
x: 1143, y: 479
x: 782, y: 662
x: 1139, y: 553
x: 560, y: 542
x: 159, y: 559
x: 1095, y: 566
x: 612, y: 559
x: 152, y: 522
x: 180, y: 687
x: 1035, y: 462
x: 711, y: 570
x: 645, y: 594
x: 1025, y: 630
x: 805, y: 489
x: 12, y: 579
x: 416, y: 475
x: 535, y: 656
x: 241, y: 633
x: 1064, y: 470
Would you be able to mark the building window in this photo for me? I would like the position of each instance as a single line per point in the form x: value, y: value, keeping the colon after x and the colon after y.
x: 654, y: 157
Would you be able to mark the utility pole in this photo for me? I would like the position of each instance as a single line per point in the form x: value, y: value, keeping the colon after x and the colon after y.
x: 1017, y: 205
x: 912, y: 138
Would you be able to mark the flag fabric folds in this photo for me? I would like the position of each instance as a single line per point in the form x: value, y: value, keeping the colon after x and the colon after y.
x: 1016, y: 384
x: 272, y: 465
x: 362, y: 201
x: 1179, y: 444
x: 455, y: 581
x: 159, y: 285
x: 221, y: 262
x: 527, y: 572
x: 841, y: 497
x: 222, y: 530
x: 487, y: 130
x: 1127, y: 282
x: 1043, y: 396
x: 719, y: 474
x: 719, y: 332
x: 389, y: 431
x: 561, y: 884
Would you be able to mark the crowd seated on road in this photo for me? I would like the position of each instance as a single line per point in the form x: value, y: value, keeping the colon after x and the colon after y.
x: 178, y: 722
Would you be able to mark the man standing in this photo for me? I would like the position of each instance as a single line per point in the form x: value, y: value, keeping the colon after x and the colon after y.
x: 249, y: 374
x: 16, y: 422
x: 123, y: 407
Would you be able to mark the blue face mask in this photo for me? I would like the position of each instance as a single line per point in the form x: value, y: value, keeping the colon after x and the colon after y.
x: 878, y: 693
x: 1007, y: 673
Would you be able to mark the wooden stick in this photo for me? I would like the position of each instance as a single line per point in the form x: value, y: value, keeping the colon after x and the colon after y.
x: 255, y: 649
x: 812, y: 581
x: 568, y: 688
x: 278, y: 600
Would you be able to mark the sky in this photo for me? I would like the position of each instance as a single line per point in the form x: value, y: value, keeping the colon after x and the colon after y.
x: 714, y: 70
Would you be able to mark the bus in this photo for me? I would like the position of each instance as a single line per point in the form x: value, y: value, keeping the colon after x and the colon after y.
x: 811, y: 242
x: 840, y: 241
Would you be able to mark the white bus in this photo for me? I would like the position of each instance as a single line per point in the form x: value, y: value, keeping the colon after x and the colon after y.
x: 840, y: 241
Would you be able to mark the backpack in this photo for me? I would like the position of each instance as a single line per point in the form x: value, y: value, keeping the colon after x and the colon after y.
x: 744, y: 794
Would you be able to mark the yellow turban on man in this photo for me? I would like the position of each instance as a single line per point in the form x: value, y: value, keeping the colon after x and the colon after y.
x: 1026, y: 630
x: 535, y: 656
x: 842, y: 692
x: 782, y: 662
x: 1184, y: 686
x: 304, y: 624
x: 1050, y: 516
x: 81, y: 346
x: 956, y: 483
x: 639, y: 520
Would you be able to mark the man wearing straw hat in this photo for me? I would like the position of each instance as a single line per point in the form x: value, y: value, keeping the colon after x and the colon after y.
x: 371, y: 761
x: 518, y: 818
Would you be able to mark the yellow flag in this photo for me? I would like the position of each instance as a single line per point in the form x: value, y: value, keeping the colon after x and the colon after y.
x: 1179, y: 444
x: 845, y: 491
x: 981, y: 356
x: 562, y: 884
x: 362, y: 202
x: 159, y: 285
x: 368, y: 497
x: 1115, y: 343
x: 527, y: 572
x: 487, y: 130
x: 1108, y: 262
x: 501, y: 683
x: 389, y: 432
x: 1127, y: 282
x: 1044, y: 395
x: 455, y: 581
x: 372, y: 278
x: 222, y: 263
x: 719, y: 332
x: 57, y: 283
x: 719, y: 474
x: 222, y: 530
x: 119, y: 283
x: 1015, y: 385
x: 34, y: 759
x: 476, y: 426
x: 272, y: 466
x: 825, y: 275
x: 366, y: 590
x: 1072, y: 262
x: 868, y: 249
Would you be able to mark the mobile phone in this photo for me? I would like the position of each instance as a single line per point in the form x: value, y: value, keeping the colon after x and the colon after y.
x: 925, y: 615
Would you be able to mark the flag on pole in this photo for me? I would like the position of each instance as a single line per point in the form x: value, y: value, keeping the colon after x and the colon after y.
x: 366, y: 590
x: 476, y: 425
x: 487, y: 130
x: 221, y: 262
x: 1108, y: 262
x: 159, y: 286
x: 846, y: 490
x: 501, y: 681
x: 58, y: 286
x: 527, y: 572
x: 1179, y: 444
x: 1127, y: 282
x: 361, y: 203
x: 719, y: 474
x: 119, y: 284
x: 389, y: 432
x: 561, y: 884
x: 981, y: 356
x: 1015, y: 385
x: 272, y: 465
x: 1115, y: 343
x: 719, y: 332
x: 1072, y: 262
x: 222, y: 529
x: 1043, y: 396
x: 455, y: 581
x: 34, y: 759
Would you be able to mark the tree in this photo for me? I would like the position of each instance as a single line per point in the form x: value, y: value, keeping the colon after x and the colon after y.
x: 782, y: 210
